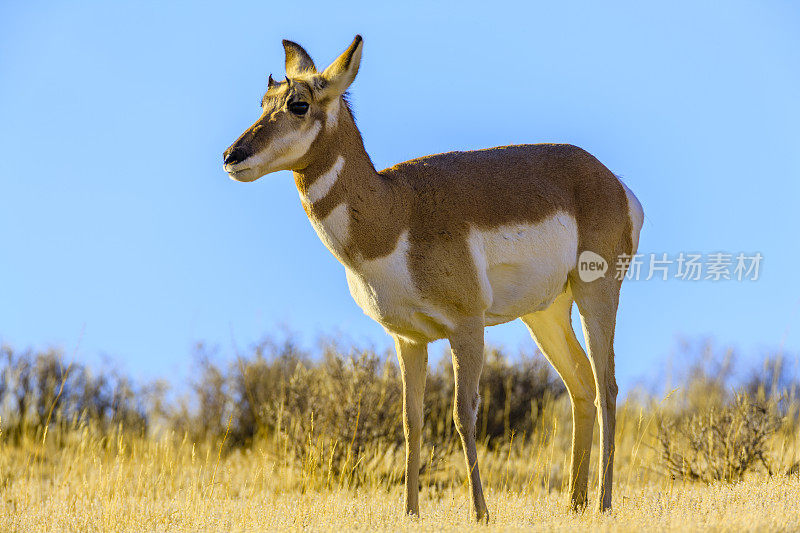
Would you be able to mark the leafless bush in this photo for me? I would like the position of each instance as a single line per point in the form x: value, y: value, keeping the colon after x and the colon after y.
x: 708, y: 433
x: 718, y: 443
x: 332, y: 412
x: 512, y: 396
x: 38, y: 390
x: 231, y: 399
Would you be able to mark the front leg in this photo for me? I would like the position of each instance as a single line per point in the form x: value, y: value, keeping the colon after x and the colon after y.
x: 413, y: 357
x: 466, y: 345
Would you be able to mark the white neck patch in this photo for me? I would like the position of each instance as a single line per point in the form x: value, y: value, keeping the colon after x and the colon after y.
x: 324, y: 183
x: 334, y: 230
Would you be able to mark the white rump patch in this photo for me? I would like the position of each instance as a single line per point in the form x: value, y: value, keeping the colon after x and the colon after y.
x: 523, y: 267
x: 323, y: 184
x: 636, y: 214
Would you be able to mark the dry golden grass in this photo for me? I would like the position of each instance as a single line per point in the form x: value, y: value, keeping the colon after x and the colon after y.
x: 83, y: 479
x: 279, y: 442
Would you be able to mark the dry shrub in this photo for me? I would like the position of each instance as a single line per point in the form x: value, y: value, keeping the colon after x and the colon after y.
x: 344, y: 413
x: 333, y: 414
x: 347, y: 400
x: 37, y: 390
x: 512, y: 397
x: 708, y: 433
x: 230, y: 399
x: 718, y: 443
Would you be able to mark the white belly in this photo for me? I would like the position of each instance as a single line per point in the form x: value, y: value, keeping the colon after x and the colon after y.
x: 520, y: 269
x: 523, y: 267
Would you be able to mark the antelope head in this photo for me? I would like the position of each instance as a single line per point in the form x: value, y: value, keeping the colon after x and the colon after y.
x: 294, y: 112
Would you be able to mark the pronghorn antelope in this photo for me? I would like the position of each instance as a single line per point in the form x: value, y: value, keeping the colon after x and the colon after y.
x: 445, y: 245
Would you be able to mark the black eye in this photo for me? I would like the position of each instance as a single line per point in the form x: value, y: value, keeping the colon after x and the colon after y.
x: 298, y: 108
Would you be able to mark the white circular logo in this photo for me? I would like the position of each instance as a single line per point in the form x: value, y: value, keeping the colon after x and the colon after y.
x: 591, y: 266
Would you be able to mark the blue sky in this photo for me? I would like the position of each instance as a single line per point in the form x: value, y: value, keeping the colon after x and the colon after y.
x: 118, y: 226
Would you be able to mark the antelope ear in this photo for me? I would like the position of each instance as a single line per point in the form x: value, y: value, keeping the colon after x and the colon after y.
x: 297, y: 59
x: 341, y: 73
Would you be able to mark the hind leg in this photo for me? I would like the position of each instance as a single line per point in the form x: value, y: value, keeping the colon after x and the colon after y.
x: 553, y: 333
x: 597, y: 302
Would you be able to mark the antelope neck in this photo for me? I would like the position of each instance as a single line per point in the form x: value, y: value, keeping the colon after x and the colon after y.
x: 345, y: 198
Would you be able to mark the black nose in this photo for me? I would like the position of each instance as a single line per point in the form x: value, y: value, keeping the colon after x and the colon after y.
x: 237, y: 155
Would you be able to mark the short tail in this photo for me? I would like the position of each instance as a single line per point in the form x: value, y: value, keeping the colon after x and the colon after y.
x: 636, y: 214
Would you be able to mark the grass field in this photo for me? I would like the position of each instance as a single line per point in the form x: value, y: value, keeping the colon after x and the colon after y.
x: 80, y: 474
